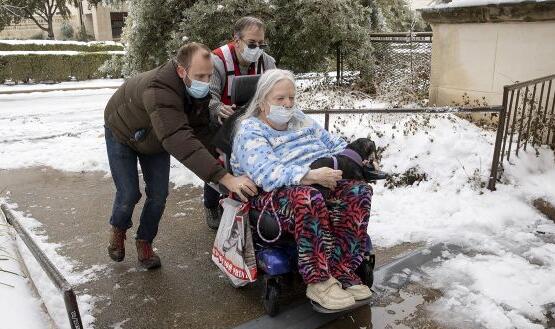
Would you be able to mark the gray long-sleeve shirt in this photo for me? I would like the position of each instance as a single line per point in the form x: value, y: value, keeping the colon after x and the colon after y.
x: 217, y: 82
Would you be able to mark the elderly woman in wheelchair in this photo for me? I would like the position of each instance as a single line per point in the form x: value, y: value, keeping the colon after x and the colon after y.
x: 274, y: 144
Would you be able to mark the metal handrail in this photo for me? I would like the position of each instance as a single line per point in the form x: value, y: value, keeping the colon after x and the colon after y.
x: 53, y: 273
x: 519, y: 85
x: 501, y: 110
x: 401, y: 110
x: 402, y: 34
x: 407, y: 110
x: 402, y: 37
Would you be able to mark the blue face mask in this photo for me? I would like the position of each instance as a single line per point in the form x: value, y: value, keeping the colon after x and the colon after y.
x: 198, y: 89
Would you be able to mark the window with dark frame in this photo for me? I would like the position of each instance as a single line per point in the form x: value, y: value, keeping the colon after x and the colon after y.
x: 118, y: 20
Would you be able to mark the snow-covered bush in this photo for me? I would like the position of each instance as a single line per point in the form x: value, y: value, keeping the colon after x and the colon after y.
x: 395, y: 16
x: 412, y: 176
x: 40, y: 67
x: 67, y: 30
x: 48, y: 45
x: 42, y: 60
x: 303, y: 35
x: 113, y: 67
x: 148, y: 31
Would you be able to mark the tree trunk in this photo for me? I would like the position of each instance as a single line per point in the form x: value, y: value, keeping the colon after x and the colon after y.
x: 50, y: 28
x: 50, y: 15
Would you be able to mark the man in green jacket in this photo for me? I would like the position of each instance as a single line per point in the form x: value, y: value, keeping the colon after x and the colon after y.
x: 153, y: 115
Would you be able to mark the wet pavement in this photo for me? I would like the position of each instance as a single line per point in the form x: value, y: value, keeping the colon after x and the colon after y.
x: 188, y: 291
x: 399, y: 301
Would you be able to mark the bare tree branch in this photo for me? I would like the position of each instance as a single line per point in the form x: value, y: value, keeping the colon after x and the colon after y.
x: 44, y: 8
x: 41, y: 15
x: 5, y: 284
x: 40, y: 12
x: 55, y: 8
x: 14, y: 10
x: 10, y: 272
x: 49, y: 4
x: 30, y: 16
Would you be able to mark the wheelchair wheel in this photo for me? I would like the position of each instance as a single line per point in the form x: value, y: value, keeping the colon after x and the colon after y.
x: 270, y: 297
x: 366, y: 270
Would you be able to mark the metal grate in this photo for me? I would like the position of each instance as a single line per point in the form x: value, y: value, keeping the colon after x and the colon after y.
x: 402, y: 62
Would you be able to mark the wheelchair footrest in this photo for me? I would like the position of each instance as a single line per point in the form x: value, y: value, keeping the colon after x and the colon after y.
x: 359, y: 303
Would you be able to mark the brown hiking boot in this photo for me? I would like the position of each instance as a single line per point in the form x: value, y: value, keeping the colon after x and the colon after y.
x: 116, y: 248
x: 147, y: 257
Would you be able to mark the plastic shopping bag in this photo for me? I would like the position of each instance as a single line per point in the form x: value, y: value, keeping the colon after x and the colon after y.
x: 233, y: 250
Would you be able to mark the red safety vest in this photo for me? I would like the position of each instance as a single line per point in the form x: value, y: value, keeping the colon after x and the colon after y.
x: 231, y: 65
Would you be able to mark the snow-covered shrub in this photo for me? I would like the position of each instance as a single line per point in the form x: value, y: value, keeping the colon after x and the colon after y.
x: 410, y: 177
x: 395, y: 16
x: 113, y: 67
x: 303, y: 35
x: 52, y: 67
x: 59, y: 46
x: 148, y: 32
x: 67, y: 30
x: 483, y: 120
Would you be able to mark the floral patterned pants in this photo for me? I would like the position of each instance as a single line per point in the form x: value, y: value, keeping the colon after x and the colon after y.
x: 330, y: 232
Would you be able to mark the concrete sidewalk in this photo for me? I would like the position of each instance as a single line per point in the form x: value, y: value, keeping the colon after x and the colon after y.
x: 187, y: 292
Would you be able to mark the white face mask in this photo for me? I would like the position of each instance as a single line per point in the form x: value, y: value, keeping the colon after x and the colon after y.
x: 251, y: 55
x: 280, y: 115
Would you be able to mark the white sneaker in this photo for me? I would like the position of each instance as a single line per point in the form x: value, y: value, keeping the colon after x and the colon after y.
x: 329, y: 294
x: 359, y: 291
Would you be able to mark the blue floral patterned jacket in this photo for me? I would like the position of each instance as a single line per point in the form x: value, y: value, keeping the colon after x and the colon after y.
x: 274, y: 158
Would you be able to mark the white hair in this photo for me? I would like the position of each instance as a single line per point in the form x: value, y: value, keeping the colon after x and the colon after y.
x: 265, y: 84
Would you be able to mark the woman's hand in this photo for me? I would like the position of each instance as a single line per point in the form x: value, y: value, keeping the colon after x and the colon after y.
x: 324, y: 176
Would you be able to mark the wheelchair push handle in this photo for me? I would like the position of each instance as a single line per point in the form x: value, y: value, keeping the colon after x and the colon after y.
x: 220, y: 188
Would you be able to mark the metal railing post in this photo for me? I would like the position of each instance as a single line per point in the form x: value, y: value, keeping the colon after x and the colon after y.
x: 338, y: 64
x: 498, y: 142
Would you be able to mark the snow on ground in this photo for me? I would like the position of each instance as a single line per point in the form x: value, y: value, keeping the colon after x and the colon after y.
x: 17, y: 296
x: 505, y: 278
x: 27, y: 307
x: 63, y: 130
x: 57, y: 42
x: 58, y: 52
x: 108, y: 83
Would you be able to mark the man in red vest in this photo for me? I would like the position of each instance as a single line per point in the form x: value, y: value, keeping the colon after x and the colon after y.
x: 243, y: 56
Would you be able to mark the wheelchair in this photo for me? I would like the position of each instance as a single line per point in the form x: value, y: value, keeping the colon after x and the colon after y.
x: 276, y: 255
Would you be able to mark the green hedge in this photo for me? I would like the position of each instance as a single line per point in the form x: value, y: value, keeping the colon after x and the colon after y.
x: 94, y: 47
x: 52, y: 67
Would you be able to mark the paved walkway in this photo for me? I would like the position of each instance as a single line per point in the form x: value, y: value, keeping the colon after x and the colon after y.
x: 187, y: 292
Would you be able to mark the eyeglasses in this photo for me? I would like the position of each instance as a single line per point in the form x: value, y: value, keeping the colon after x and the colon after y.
x: 253, y: 45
